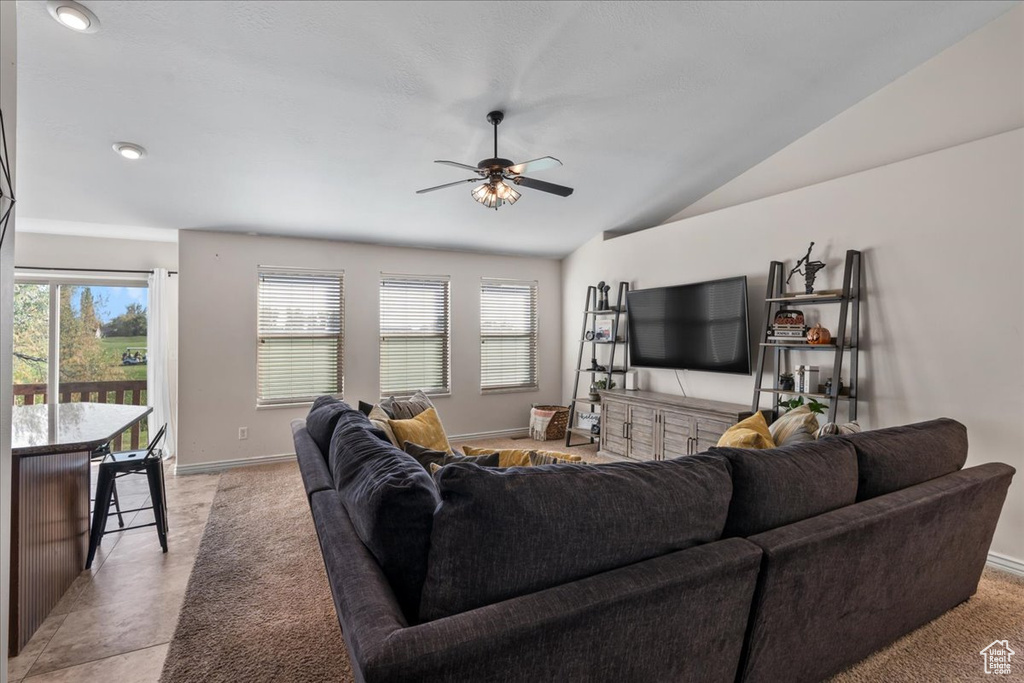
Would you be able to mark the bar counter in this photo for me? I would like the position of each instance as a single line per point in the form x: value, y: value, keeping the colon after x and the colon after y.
x: 51, y: 445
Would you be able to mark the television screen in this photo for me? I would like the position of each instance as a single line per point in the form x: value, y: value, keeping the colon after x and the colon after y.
x: 702, y: 326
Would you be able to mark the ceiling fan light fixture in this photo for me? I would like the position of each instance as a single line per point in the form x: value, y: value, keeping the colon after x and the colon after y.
x: 494, y: 194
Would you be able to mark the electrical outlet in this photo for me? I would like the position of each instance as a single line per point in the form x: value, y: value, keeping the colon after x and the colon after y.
x: 243, y: 433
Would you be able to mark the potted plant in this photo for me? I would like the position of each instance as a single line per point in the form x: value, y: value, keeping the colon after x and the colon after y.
x: 600, y: 385
x: 814, y: 406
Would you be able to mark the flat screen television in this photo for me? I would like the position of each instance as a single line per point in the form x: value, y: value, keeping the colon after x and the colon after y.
x: 702, y: 326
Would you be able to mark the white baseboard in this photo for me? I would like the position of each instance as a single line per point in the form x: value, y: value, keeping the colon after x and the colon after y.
x: 221, y: 465
x: 1006, y: 563
x: 500, y: 434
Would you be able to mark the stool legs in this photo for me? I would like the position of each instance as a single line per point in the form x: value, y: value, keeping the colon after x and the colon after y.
x: 155, y: 475
x: 117, y: 506
x: 100, y: 510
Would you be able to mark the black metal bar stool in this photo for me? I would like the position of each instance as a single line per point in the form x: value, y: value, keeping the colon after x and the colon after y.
x: 116, y: 465
x: 97, y: 456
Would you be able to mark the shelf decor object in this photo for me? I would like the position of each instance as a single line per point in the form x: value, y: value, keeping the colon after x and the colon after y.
x: 845, y: 341
x: 7, y: 200
x: 598, y: 316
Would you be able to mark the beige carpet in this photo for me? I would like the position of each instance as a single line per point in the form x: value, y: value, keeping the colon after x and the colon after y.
x: 258, y: 607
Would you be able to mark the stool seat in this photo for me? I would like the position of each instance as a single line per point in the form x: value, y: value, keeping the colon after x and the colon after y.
x: 115, y: 465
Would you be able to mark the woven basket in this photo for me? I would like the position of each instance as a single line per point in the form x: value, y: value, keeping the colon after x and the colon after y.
x: 560, y: 420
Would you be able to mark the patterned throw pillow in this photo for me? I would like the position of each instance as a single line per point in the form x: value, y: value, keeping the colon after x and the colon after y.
x: 520, y: 457
x: 379, y: 419
x: 796, y: 426
x: 554, y: 458
x: 424, y: 429
x: 749, y: 433
x: 433, y: 460
x: 406, y: 408
x: 833, y: 429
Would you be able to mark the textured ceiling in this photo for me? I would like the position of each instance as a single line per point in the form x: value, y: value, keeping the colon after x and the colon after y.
x: 322, y: 119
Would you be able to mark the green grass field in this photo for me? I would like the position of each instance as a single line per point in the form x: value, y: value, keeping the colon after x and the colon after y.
x: 113, y: 347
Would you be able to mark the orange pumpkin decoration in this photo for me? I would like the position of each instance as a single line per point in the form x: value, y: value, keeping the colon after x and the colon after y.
x: 818, y: 335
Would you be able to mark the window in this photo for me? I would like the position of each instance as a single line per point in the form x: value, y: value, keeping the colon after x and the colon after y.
x: 300, y: 330
x: 414, y: 335
x: 508, y: 335
x: 82, y: 338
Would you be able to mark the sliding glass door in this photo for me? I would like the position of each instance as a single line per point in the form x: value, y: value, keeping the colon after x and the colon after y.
x: 82, y: 340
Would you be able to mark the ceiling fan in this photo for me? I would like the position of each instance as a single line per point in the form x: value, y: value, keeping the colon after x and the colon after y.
x: 494, y: 191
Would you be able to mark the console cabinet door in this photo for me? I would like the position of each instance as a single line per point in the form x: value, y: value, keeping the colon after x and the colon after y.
x: 676, y: 430
x: 642, y: 433
x: 614, y: 415
x: 709, y: 431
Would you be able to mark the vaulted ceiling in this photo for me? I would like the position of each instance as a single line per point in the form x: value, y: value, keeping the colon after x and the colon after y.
x: 321, y: 119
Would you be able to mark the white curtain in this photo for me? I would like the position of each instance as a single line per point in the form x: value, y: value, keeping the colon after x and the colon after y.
x: 162, y: 367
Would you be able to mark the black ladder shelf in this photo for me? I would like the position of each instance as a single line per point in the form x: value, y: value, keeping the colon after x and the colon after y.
x: 845, y: 340
x: 591, y: 313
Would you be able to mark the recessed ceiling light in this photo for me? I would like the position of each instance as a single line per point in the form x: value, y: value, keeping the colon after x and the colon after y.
x: 129, y: 150
x: 73, y: 15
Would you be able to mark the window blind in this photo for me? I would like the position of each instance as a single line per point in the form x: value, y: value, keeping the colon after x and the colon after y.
x: 414, y: 335
x: 508, y: 335
x: 300, y: 330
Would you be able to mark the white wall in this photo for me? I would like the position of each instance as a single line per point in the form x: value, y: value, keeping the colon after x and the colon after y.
x: 943, y: 240
x: 69, y: 251
x: 8, y: 97
x: 217, y: 337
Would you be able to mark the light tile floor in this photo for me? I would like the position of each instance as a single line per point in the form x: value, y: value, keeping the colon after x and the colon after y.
x: 116, y: 620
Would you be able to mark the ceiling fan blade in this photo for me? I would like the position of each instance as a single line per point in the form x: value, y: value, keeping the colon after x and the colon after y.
x: 457, y: 182
x: 542, y: 164
x: 458, y: 165
x: 560, y: 190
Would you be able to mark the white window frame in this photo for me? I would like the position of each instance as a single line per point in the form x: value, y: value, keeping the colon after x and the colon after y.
x: 288, y: 402
x: 533, y: 335
x: 446, y: 335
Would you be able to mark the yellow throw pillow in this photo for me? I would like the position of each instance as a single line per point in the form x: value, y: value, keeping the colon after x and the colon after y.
x: 507, y: 457
x: 750, y: 433
x: 519, y: 457
x: 424, y: 429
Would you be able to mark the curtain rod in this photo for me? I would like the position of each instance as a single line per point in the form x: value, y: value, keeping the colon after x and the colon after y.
x: 91, y: 270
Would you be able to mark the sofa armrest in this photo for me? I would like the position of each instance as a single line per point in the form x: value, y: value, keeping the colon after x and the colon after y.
x: 678, y: 617
x: 837, y: 587
x: 312, y: 466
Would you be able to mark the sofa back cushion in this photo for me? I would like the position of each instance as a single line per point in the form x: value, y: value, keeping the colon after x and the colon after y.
x: 390, y: 499
x: 322, y: 419
x: 778, y: 486
x: 897, y: 457
x: 501, y: 533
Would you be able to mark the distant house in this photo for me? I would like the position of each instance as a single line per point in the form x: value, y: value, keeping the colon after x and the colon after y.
x: 997, y: 657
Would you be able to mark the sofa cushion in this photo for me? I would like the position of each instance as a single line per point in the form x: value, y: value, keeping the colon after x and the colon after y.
x: 749, y: 433
x: 897, y: 457
x: 390, y: 499
x: 587, y: 519
x: 423, y: 429
x: 775, y: 487
x: 322, y: 419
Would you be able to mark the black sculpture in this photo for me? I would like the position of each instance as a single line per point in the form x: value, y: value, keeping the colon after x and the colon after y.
x: 602, y: 296
x: 6, y: 183
x: 810, y: 270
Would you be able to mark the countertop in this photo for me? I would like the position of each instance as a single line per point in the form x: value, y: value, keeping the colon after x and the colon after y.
x: 67, y: 427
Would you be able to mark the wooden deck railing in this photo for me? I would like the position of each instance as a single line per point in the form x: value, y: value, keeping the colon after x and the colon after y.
x: 128, y: 393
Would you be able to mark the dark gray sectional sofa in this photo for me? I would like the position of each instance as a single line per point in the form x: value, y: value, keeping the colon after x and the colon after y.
x: 782, y: 565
